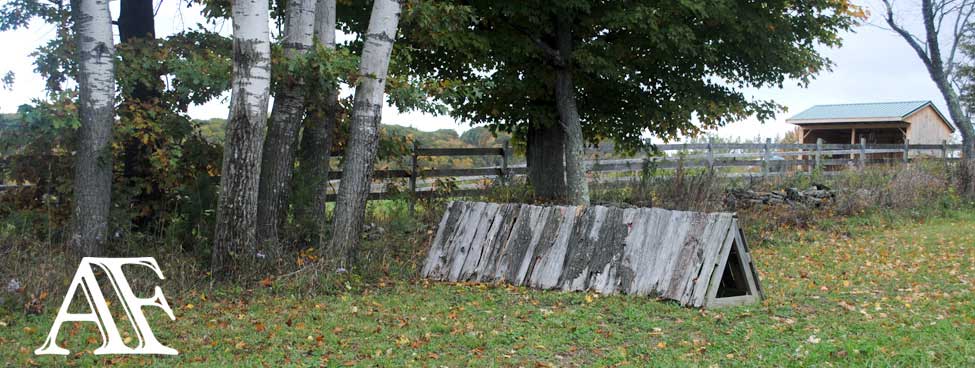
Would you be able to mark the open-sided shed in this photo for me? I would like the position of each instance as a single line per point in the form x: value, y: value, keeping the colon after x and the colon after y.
x: 916, y: 122
x: 696, y: 259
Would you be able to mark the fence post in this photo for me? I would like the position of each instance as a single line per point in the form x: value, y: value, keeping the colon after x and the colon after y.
x: 907, y: 150
x: 944, y: 151
x: 863, y: 152
x: 504, y: 163
x: 413, y: 175
x: 765, y: 157
x: 710, y: 155
x: 819, y: 153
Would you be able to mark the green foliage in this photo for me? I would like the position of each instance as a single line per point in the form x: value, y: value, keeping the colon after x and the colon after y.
x: 965, y: 73
x: 673, y: 68
x: 37, y: 149
x: 16, y: 14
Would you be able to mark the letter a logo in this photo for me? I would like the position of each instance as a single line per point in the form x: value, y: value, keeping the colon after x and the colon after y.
x: 112, y: 342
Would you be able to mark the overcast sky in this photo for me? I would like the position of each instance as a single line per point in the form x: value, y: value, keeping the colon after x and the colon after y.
x: 873, y: 65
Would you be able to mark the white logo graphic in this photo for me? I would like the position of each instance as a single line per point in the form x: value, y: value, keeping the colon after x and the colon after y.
x: 112, y: 342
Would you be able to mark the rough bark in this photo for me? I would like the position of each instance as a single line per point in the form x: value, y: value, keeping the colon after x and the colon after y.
x: 575, y: 170
x: 932, y: 13
x: 93, y: 166
x: 136, y: 22
x: 546, y: 166
x: 234, y: 241
x: 316, y: 137
x: 350, y: 205
x: 286, y: 116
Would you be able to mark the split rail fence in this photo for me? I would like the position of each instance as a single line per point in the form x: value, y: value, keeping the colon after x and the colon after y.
x: 740, y: 159
x: 748, y: 159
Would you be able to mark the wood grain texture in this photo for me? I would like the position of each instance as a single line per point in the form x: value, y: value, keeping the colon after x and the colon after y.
x: 674, y: 255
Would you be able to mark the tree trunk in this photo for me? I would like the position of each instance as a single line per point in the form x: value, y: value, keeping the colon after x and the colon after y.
x: 964, y: 125
x: 234, y: 239
x: 930, y: 55
x: 316, y: 138
x: 575, y: 169
x: 93, y: 166
x: 350, y: 206
x: 286, y: 116
x: 136, y: 22
x: 546, y: 161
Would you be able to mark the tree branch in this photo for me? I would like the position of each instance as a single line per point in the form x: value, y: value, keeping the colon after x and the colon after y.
x: 910, y: 38
x: 548, y: 51
x: 961, y: 27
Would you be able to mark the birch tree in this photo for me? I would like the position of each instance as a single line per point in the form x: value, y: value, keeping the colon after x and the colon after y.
x: 96, y: 83
x: 286, y: 117
x: 234, y: 239
x: 948, y: 22
x: 317, y: 134
x: 360, y: 154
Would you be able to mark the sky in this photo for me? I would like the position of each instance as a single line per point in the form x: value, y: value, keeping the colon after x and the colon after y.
x: 873, y: 65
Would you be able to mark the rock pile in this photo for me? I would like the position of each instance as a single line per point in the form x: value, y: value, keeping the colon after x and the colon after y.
x: 815, y: 195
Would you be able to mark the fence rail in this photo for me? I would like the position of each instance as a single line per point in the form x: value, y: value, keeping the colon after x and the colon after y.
x: 768, y: 158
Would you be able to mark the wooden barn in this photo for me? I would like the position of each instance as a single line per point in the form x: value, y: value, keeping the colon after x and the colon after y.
x: 697, y: 259
x: 916, y: 122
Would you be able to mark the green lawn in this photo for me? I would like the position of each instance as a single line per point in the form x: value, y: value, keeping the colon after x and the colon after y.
x: 896, y: 297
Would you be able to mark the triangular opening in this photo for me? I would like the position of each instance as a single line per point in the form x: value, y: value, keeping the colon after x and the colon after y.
x: 733, y: 282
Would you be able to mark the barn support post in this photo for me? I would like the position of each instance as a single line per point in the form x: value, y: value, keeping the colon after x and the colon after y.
x: 505, y: 151
x: 819, y: 153
x: 907, y: 150
x: 413, y: 174
x: 765, y: 157
x: 863, y: 152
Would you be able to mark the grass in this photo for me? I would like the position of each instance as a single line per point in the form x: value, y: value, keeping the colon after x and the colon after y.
x: 878, y: 296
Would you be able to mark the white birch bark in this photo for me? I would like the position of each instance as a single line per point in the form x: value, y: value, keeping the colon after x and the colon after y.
x: 234, y: 239
x: 93, y: 166
x: 282, y: 135
x: 360, y: 154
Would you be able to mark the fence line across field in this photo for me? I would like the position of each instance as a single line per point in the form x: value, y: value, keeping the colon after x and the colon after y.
x: 772, y: 160
x: 768, y: 157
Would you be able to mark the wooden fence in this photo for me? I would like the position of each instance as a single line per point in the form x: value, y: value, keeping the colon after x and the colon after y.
x: 752, y: 159
x: 756, y: 159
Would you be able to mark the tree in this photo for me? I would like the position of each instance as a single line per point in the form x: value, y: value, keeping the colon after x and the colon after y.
x: 136, y: 28
x: 952, y: 19
x: 93, y: 166
x: 235, y: 236
x: 317, y: 134
x: 360, y: 154
x: 668, y: 68
x: 286, y: 116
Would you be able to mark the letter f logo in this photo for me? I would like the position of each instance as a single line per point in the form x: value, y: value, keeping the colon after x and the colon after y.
x: 100, y: 314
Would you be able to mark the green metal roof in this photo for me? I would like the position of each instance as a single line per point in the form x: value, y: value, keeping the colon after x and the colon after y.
x: 895, y: 110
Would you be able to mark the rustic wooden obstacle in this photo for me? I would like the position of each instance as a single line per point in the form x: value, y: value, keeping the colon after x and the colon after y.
x: 697, y: 259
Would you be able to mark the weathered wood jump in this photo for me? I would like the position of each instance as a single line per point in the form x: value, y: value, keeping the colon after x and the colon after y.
x: 696, y: 259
